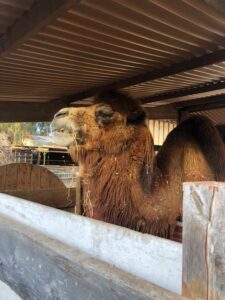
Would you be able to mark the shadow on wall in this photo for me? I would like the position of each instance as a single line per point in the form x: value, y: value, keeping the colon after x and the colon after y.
x: 7, y: 293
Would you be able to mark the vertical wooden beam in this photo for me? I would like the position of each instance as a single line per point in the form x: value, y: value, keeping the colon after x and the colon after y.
x: 203, y: 240
x: 78, y: 206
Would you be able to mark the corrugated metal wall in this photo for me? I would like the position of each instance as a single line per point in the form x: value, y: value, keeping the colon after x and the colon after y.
x: 160, y: 129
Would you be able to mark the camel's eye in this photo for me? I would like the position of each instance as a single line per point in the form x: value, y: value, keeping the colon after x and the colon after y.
x: 104, y: 115
x: 62, y: 113
x: 136, y: 117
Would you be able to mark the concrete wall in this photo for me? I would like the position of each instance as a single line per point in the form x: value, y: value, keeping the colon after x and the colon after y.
x: 38, y: 267
x: 151, y: 258
x: 6, y: 293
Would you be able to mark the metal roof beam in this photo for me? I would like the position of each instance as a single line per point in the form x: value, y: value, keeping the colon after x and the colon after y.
x: 216, y: 4
x: 164, y: 112
x: 40, y: 15
x: 15, y: 111
x: 206, y: 103
x: 197, y: 62
x: 185, y: 92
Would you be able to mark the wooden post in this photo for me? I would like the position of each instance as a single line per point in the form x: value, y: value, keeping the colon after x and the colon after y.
x: 78, y: 206
x: 204, y: 240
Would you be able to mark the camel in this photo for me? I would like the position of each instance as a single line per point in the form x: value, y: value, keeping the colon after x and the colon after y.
x: 124, y: 182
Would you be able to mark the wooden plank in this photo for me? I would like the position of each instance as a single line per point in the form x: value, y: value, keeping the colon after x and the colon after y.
x: 24, y: 177
x: 58, y: 198
x: 2, y: 177
x: 216, y: 245
x: 78, y: 207
x: 35, y: 178
x: 49, y: 180
x: 45, y: 181
x: 203, y: 242
x: 11, y: 176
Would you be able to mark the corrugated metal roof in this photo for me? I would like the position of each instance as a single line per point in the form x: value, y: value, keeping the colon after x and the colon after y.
x: 96, y: 43
x: 11, y: 11
x: 199, y: 76
x: 99, y: 42
x: 216, y: 115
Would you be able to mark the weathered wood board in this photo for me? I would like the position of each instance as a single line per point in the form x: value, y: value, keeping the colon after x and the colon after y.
x: 78, y: 208
x: 58, y: 197
x: 203, y: 240
x: 37, y: 184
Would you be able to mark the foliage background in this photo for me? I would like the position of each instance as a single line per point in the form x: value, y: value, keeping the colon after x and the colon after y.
x: 19, y: 131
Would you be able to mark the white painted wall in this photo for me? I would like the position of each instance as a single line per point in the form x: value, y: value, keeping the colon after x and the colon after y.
x: 6, y: 293
x: 154, y: 259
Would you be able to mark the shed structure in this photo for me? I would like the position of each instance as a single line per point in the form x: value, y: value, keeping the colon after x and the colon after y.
x: 56, y: 53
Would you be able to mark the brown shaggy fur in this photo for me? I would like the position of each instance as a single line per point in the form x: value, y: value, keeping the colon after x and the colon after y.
x: 124, y: 183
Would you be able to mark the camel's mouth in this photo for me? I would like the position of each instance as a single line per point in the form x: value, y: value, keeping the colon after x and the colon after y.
x: 62, y: 132
x: 68, y: 128
x: 65, y: 133
x: 62, y: 138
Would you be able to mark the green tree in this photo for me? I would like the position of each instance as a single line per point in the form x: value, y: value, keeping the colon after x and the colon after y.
x: 18, y: 131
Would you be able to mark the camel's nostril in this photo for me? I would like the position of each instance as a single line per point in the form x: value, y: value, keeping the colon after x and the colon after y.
x: 62, y: 113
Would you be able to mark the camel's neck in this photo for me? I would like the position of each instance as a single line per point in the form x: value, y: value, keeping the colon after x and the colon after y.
x: 116, y: 185
x: 122, y: 188
x: 107, y: 186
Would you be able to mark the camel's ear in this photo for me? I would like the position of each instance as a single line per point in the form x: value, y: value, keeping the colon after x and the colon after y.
x: 136, y: 117
x: 104, y: 115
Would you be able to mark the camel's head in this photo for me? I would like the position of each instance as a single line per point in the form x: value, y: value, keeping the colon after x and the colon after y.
x: 107, y: 125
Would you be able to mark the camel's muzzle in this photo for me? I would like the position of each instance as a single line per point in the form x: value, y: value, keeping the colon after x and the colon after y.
x: 62, y: 129
x: 65, y: 132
